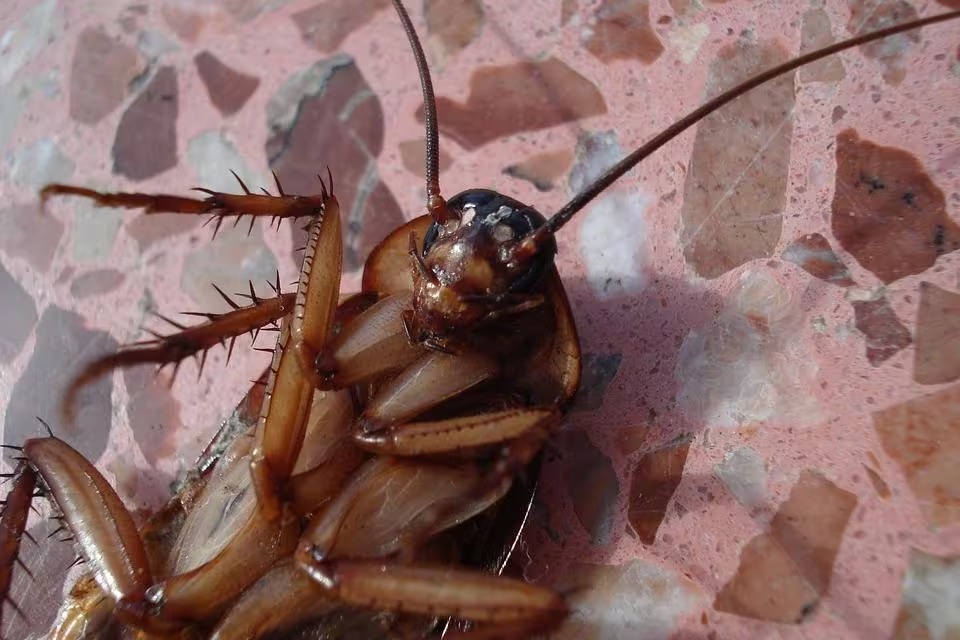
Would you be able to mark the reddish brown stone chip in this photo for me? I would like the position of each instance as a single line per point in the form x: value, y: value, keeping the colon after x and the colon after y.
x: 146, y: 140
x: 184, y: 22
x: 885, y: 334
x: 413, y: 154
x: 341, y: 110
x: 783, y: 573
x: 879, y: 484
x: 655, y: 479
x: 922, y: 436
x: 452, y: 24
x: 100, y: 75
x: 735, y: 191
x: 810, y: 524
x: 620, y: 30
x: 552, y: 94
x: 813, y: 254
x: 937, y: 356
x: 592, y: 484
x: 326, y: 25
x: 887, y: 212
x: 542, y: 170
x: 229, y: 90
x: 767, y: 586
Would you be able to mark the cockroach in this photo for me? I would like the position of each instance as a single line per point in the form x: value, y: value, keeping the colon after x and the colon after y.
x: 388, y: 421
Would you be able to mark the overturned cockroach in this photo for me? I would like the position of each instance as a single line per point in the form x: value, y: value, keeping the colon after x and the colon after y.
x: 387, y: 420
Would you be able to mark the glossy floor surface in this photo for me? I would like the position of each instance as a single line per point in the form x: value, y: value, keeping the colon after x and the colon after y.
x: 767, y: 439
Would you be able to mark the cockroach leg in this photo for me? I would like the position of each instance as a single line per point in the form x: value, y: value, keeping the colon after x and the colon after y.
x: 208, y: 590
x: 507, y: 604
x: 13, y: 524
x: 218, y: 204
x: 150, y: 203
x: 190, y: 341
x: 376, y: 343
x: 212, y: 562
x: 283, y: 418
x: 511, y: 462
x: 456, y: 434
x: 103, y: 529
x: 282, y: 599
x: 434, y: 377
x: 328, y: 457
x: 391, y: 500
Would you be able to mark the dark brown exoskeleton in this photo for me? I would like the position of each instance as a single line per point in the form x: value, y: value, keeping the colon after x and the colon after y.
x: 387, y: 423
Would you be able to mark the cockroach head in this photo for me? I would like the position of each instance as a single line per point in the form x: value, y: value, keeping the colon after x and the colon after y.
x: 478, y: 263
x: 485, y: 253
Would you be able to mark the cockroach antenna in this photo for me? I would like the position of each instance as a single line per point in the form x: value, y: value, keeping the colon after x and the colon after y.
x: 436, y: 205
x: 582, y: 199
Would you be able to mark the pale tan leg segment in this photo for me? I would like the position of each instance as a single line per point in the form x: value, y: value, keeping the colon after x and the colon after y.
x: 374, y: 344
x: 281, y: 599
x: 282, y: 424
x: 455, y: 434
x: 433, y: 378
x: 437, y: 591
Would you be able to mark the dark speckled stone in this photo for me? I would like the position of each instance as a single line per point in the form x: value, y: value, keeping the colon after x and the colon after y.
x: 64, y: 345
x: 18, y: 315
x: 229, y: 90
x: 146, y: 141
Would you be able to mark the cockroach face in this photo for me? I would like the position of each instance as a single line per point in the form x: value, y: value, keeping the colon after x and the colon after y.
x: 475, y: 265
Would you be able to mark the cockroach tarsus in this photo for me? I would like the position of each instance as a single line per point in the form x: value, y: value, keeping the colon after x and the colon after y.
x: 445, y: 376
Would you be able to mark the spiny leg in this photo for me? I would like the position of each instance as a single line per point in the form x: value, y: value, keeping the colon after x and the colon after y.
x: 189, y: 341
x: 103, y: 529
x: 281, y: 600
x: 218, y: 204
x: 287, y: 400
x: 16, y: 509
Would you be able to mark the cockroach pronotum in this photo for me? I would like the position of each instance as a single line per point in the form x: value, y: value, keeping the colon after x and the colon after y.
x: 374, y: 492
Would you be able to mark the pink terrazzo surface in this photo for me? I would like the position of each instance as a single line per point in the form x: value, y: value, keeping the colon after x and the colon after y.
x: 768, y: 437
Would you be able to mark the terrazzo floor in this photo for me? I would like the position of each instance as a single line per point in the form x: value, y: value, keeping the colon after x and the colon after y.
x: 767, y: 441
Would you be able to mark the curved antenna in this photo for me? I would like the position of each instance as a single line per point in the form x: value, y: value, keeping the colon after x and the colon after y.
x: 436, y: 205
x: 583, y: 198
